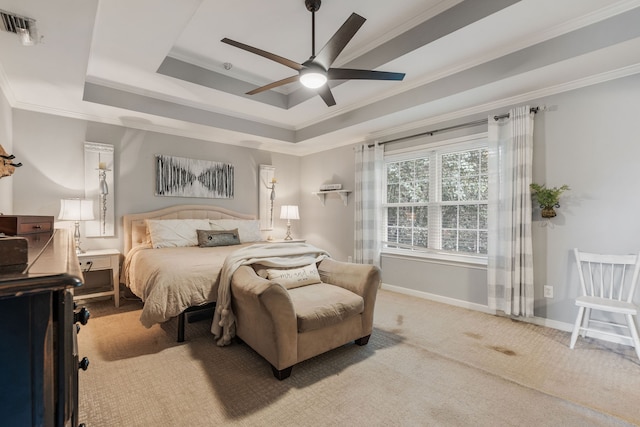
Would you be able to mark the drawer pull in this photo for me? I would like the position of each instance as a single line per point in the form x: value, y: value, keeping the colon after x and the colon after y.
x: 84, y: 363
x: 81, y: 316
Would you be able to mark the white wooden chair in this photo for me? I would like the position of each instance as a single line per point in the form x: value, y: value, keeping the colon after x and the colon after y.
x: 608, y: 284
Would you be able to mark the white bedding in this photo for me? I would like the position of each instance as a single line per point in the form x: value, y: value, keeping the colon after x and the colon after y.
x: 170, y: 280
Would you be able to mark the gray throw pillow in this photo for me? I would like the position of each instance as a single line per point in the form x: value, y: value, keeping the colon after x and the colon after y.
x: 211, y: 238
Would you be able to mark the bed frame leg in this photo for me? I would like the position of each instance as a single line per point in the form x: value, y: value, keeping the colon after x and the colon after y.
x: 181, y: 317
x: 194, y: 314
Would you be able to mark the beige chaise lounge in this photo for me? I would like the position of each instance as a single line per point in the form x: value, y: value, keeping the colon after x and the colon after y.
x: 287, y: 326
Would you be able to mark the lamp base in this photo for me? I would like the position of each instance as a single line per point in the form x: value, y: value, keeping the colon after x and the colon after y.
x: 288, y: 236
x: 76, y: 238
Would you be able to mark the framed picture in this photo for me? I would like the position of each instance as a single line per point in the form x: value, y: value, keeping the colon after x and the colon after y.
x: 183, y: 177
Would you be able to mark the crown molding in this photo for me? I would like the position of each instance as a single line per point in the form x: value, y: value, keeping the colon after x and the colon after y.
x: 303, y: 149
x: 506, y: 102
x: 5, y: 86
x: 396, y: 31
x: 184, y: 102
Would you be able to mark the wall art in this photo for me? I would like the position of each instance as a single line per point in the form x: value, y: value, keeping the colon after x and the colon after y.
x: 182, y: 177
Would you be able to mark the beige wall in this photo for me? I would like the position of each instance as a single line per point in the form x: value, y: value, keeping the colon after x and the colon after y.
x: 52, y: 150
x: 330, y: 226
x: 587, y: 139
x: 6, y: 140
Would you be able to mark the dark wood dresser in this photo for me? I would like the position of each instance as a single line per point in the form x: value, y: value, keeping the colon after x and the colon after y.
x: 39, y: 359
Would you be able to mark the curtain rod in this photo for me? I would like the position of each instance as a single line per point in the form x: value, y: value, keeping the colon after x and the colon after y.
x: 462, y: 125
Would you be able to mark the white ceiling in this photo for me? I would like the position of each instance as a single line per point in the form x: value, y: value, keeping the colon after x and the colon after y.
x: 158, y: 64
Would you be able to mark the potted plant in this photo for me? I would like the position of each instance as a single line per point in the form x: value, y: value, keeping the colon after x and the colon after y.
x: 548, y: 198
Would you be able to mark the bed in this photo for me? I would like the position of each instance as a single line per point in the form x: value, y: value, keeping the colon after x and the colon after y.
x: 178, y: 279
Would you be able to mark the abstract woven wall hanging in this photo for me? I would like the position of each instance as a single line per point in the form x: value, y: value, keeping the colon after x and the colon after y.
x: 182, y: 177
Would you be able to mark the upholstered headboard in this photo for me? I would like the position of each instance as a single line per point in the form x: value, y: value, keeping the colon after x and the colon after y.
x: 135, y: 228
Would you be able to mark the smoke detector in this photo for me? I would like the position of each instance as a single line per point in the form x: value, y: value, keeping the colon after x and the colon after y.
x: 24, y: 27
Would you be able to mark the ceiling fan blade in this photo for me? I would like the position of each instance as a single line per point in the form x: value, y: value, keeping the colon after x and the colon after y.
x: 326, y: 95
x: 279, y: 59
x: 337, y: 43
x: 282, y: 82
x: 351, y: 74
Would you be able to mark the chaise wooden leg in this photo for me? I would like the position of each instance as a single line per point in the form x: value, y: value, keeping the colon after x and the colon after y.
x: 363, y: 340
x: 281, y: 374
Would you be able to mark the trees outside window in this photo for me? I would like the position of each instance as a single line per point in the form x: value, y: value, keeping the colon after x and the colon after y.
x: 436, y: 200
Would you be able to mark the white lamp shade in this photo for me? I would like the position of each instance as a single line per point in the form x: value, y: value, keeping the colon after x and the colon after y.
x: 289, y: 212
x: 76, y: 210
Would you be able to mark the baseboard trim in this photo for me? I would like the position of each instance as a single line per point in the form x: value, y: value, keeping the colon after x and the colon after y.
x: 438, y: 298
x: 540, y: 321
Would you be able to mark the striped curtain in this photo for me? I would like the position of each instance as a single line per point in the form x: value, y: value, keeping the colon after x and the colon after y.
x: 368, y: 180
x: 510, y: 257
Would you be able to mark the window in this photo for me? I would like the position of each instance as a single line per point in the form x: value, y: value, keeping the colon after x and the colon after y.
x: 436, y: 200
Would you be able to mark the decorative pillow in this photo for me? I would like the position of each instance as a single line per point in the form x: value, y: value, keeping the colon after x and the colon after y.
x: 168, y: 233
x: 211, y: 238
x: 294, y: 277
x: 249, y: 229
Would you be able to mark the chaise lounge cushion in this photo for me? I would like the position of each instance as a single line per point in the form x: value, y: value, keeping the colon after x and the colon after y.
x: 320, y: 305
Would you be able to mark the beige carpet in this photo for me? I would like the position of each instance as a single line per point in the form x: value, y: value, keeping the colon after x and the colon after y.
x: 427, y: 364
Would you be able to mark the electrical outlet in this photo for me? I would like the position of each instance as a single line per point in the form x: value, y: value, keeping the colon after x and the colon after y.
x: 349, y: 259
x: 548, y: 291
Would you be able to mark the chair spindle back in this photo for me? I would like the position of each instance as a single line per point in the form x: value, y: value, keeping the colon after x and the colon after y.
x: 612, y: 277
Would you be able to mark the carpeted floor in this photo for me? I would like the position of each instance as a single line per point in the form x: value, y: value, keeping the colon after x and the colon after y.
x: 427, y: 364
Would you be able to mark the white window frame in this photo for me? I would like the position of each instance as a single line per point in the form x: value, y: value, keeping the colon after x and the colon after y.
x: 442, y: 147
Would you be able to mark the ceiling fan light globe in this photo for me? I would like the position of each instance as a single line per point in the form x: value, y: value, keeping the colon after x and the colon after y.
x: 313, y: 79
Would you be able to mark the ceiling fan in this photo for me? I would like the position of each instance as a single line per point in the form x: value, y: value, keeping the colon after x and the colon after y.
x: 315, y: 71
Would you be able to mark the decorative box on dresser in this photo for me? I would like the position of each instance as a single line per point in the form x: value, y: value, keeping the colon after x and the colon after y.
x: 39, y: 358
x: 35, y: 228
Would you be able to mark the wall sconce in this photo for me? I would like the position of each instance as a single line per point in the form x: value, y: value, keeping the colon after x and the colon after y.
x: 104, y: 192
x: 289, y: 212
x: 272, y: 197
x: 267, y: 195
x: 99, y: 186
x: 76, y: 210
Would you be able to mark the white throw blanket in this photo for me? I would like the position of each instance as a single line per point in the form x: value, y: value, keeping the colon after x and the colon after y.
x: 268, y: 254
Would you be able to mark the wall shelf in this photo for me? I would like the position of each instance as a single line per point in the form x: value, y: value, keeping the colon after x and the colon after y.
x: 344, y: 195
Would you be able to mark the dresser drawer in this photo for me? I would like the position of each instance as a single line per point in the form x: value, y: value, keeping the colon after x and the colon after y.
x: 34, y: 227
x: 20, y: 225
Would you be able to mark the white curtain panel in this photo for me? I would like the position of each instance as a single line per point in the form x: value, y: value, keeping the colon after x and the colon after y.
x: 510, y: 257
x: 368, y: 166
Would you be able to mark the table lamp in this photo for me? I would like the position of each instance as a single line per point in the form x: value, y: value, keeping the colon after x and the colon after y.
x: 289, y: 212
x: 76, y: 210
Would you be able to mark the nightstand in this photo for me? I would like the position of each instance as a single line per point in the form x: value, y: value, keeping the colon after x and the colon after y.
x: 101, y: 270
x: 287, y: 241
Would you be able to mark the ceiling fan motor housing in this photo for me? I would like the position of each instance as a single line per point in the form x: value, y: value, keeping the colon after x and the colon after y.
x: 315, y: 72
